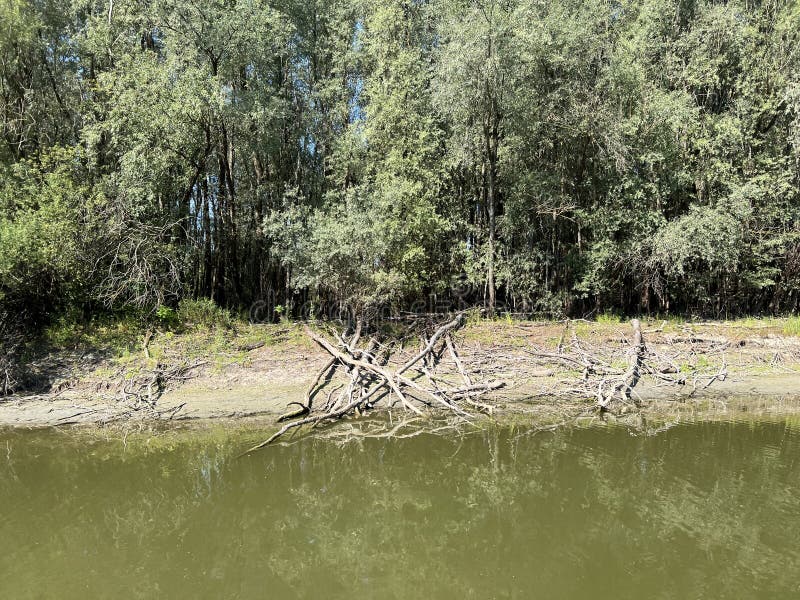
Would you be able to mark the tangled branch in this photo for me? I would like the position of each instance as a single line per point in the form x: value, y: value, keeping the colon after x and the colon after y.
x: 367, y: 377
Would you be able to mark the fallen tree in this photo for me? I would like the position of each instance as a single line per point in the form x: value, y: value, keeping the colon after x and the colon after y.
x: 604, y: 378
x: 11, y: 342
x: 358, y: 377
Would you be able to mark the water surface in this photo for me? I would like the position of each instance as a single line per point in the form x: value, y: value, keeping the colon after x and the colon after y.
x: 702, y: 510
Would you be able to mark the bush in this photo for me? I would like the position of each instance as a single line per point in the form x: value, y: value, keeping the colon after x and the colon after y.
x: 204, y: 313
x: 47, y: 231
x: 166, y: 316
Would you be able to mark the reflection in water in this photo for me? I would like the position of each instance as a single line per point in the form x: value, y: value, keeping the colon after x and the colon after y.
x: 702, y: 510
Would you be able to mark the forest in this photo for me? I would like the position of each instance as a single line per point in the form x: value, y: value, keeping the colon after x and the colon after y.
x: 552, y: 158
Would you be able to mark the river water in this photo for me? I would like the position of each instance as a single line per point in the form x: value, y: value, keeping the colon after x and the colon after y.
x: 701, y: 510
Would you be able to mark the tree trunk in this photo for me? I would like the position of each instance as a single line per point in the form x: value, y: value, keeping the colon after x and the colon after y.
x: 208, y: 264
x: 491, y: 135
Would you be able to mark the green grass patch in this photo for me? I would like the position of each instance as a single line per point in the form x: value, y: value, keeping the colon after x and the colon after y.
x: 108, y: 333
x: 792, y: 326
x: 582, y: 329
x: 608, y: 318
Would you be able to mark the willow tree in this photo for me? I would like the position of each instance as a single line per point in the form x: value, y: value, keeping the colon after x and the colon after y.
x: 476, y: 79
x: 564, y: 157
x: 378, y: 236
x: 403, y: 143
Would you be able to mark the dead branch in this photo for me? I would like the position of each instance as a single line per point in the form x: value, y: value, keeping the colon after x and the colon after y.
x: 369, y: 375
x: 142, y: 391
x: 304, y: 409
x: 670, y: 361
x: 623, y: 388
x: 455, y: 323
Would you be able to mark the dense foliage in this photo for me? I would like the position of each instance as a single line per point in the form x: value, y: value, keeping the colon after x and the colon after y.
x: 551, y: 157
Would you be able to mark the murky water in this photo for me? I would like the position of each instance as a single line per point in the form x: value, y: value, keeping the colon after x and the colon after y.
x: 703, y: 510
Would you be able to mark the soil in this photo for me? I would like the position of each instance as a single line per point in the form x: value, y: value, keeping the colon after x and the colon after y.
x: 761, y: 363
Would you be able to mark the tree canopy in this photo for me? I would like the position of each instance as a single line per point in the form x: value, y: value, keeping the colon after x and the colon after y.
x: 536, y: 156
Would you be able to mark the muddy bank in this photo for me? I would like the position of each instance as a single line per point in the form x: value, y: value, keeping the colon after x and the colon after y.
x: 262, y: 386
x: 250, y: 377
x: 765, y: 394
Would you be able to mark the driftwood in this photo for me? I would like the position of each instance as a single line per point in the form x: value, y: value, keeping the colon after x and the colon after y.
x: 439, y: 375
x: 602, y: 375
x: 370, y: 378
x: 623, y: 387
x: 11, y: 343
x: 142, y: 391
x: 146, y: 343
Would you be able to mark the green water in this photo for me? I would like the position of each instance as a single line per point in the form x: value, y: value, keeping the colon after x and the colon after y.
x: 703, y: 510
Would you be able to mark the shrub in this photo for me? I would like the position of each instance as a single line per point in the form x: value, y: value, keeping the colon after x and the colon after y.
x: 204, y: 313
x: 166, y: 316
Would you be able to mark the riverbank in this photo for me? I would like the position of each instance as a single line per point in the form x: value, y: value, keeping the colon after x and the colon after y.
x: 246, y: 371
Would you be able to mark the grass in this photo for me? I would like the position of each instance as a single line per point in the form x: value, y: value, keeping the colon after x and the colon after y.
x: 195, y: 331
x: 202, y: 332
x: 483, y: 331
x: 676, y: 320
x: 111, y: 333
x: 609, y: 318
x: 582, y: 329
x: 792, y: 326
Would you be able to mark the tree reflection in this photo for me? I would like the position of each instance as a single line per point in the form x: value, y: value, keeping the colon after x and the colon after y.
x: 700, y: 510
